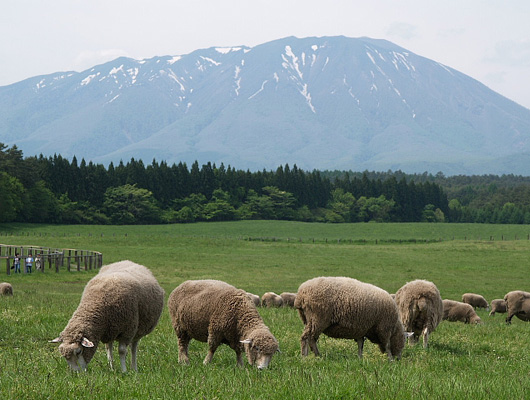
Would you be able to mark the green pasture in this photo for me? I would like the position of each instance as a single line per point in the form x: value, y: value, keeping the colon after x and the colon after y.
x: 489, y: 361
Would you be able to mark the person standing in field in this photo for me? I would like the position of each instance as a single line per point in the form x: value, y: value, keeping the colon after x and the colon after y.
x: 38, y: 262
x: 16, y: 263
x: 29, y: 263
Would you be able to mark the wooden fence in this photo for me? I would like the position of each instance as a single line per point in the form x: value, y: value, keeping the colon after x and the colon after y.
x: 50, y: 258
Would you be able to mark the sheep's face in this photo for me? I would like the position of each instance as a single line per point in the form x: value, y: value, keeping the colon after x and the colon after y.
x: 260, y: 348
x: 73, y: 353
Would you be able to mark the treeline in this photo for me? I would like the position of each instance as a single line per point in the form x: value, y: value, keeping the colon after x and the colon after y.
x: 56, y: 190
x: 489, y: 198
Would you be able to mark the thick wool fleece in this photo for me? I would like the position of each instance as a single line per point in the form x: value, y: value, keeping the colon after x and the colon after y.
x: 123, y: 302
x: 420, y: 308
x: 343, y: 307
x: 215, y: 312
x: 518, y: 304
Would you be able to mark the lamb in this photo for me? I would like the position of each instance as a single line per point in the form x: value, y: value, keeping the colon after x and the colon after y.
x: 288, y: 299
x: 518, y: 304
x: 215, y: 312
x: 271, y: 299
x: 420, y: 307
x: 346, y: 308
x: 475, y: 300
x: 458, y: 311
x: 498, y: 305
x: 255, y: 299
x: 6, y: 289
x: 123, y: 303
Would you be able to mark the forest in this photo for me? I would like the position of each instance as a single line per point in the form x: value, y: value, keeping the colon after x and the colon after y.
x: 57, y: 190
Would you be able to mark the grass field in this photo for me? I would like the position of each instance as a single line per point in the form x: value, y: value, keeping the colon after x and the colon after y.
x: 489, y: 361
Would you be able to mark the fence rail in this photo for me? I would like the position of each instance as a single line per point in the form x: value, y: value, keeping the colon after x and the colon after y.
x: 50, y: 257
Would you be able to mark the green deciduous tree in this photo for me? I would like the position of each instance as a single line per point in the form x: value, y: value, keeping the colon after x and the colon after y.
x: 129, y: 204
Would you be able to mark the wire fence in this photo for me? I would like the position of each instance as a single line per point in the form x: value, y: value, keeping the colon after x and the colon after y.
x: 47, y: 258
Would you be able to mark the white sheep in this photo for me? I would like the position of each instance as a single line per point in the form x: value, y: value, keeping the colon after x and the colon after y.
x: 518, y: 304
x: 343, y: 307
x: 271, y: 299
x: 420, y: 307
x: 498, y: 306
x: 458, y: 311
x: 288, y: 299
x: 6, y: 289
x: 215, y: 312
x: 255, y: 299
x: 475, y: 300
x: 123, y: 303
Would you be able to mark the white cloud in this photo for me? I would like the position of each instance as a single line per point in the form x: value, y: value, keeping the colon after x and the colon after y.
x: 510, y: 52
x: 402, y: 30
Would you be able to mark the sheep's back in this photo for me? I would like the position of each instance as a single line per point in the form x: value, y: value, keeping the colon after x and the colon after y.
x: 420, y: 305
x: 193, y: 305
x: 348, y: 302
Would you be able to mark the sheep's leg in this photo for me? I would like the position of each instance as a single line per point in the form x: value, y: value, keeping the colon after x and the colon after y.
x: 213, y: 343
x: 425, y: 334
x: 509, y: 318
x: 134, y: 353
x: 360, y: 346
x: 308, y: 341
x: 122, y: 351
x: 184, y: 341
x: 388, y: 350
x: 108, y: 347
x: 239, y: 358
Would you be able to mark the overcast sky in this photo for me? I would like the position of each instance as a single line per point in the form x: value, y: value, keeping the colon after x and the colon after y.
x: 488, y: 40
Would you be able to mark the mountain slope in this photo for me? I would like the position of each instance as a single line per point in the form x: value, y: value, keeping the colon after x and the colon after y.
x: 325, y: 103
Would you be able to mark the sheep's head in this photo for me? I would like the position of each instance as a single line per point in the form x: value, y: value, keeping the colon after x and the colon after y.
x: 73, y: 352
x: 260, y: 346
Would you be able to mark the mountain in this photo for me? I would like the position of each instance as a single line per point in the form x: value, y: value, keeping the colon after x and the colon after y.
x: 319, y: 103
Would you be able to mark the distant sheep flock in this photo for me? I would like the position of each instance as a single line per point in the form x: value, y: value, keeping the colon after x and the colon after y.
x: 124, y: 302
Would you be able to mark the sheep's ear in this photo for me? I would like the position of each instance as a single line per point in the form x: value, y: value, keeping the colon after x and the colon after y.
x: 246, y: 341
x: 409, y: 334
x: 56, y: 340
x: 86, y: 343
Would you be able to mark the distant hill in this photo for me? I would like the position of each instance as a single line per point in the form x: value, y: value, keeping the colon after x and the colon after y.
x: 320, y: 103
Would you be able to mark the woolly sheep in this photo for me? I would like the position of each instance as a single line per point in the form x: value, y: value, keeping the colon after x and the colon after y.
x: 475, y: 300
x: 255, y: 299
x: 288, y: 299
x: 346, y: 308
x: 420, y: 307
x: 498, y: 305
x: 215, y: 312
x: 271, y: 299
x: 518, y: 304
x: 123, y: 303
x: 6, y: 289
x: 458, y: 311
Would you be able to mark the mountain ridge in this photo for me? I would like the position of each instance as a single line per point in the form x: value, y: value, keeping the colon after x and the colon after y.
x: 320, y: 103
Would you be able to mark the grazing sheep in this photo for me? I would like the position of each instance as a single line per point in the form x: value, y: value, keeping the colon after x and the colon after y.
x: 6, y: 289
x: 288, y: 299
x: 123, y: 302
x: 271, y: 299
x: 255, y: 299
x: 420, y: 307
x: 475, y: 300
x: 346, y: 308
x: 518, y: 304
x: 498, y: 305
x: 216, y: 312
x: 462, y: 312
